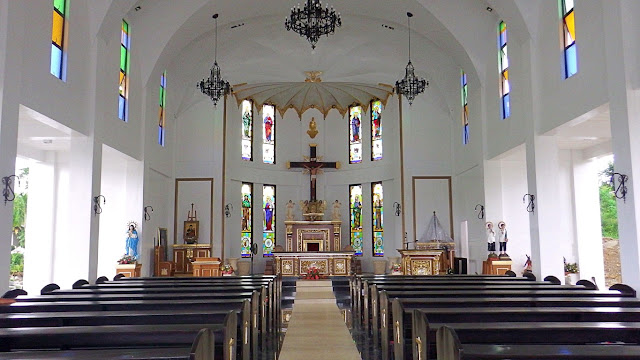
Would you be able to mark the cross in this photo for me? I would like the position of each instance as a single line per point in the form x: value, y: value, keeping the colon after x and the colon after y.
x: 313, y: 166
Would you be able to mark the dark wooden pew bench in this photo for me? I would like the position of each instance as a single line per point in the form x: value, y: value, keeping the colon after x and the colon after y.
x: 449, y: 347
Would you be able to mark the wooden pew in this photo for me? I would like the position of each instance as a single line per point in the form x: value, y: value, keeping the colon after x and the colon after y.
x: 451, y: 348
x: 203, y: 348
x: 120, y: 336
x: 506, y: 333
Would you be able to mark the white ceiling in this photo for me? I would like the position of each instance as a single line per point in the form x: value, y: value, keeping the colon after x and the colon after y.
x: 38, y: 132
x: 588, y: 130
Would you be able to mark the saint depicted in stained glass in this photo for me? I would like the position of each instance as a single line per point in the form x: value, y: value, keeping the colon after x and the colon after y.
x: 569, y: 29
x: 269, y: 134
x: 246, y: 220
x: 355, y: 131
x: 503, y: 65
x: 268, y: 223
x: 355, y: 202
x: 247, y: 130
x: 465, y: 109
x: 376, y: 130
x: 378, y: 216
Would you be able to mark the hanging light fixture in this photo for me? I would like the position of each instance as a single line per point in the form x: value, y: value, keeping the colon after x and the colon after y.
x: 215, y: 86
x: 410, y: 86
x: 313, y: 21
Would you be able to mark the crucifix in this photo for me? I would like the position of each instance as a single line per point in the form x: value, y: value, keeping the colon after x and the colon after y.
x: 313, y: 165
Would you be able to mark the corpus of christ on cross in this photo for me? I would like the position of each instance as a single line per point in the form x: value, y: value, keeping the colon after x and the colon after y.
x: 313, y: 166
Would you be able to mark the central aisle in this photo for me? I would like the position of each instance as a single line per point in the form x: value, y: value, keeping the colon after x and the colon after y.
x: 317, y: 329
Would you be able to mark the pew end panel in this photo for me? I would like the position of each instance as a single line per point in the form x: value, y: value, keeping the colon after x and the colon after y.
x: 624, y: 289
x: 448, y: 345
x: 419, y: 336
x: 204, y: 346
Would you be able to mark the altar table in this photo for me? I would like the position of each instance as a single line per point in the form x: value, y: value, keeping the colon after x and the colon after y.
x: 336, y: 263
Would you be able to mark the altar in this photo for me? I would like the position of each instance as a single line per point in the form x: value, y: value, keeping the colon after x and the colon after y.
x: 312, y: 243
x: 430, y: 258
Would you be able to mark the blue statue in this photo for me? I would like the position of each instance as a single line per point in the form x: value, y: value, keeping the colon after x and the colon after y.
x: 131, y: 245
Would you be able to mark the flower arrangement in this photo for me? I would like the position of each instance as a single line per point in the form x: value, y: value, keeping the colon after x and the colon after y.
x: 312, y: 273
x: 396, y: 268
x: 226, y: 269
x: 570, y: 268
x: 127, y: 259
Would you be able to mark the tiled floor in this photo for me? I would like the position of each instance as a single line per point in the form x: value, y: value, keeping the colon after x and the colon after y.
x: 317, y: 329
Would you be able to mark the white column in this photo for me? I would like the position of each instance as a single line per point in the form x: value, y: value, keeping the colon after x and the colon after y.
x: 587, y: 218
x: 621, y: 28
x: 11, y: 34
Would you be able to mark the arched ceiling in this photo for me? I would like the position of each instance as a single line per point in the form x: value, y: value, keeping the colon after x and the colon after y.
x: 371, y: 45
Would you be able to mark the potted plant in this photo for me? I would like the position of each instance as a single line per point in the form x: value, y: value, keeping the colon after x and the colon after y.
x: 396, y: 269
x: 312, y: 273
x: 127, y: 259
x: 226, y: 269
x: 570, y: 272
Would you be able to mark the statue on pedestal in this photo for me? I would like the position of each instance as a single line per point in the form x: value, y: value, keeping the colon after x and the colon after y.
x: 290, y: 206
x: 335, y: 214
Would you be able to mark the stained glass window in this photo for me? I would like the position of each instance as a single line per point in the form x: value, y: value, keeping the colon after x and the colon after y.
x: 355, y: 131
x: 161, y: 115
x: 247, y: 130
x: 123, y: 111
x: 269, y: 219
x: 376, y: 130
x: 269, y: 134
x: 465, y: 108
x: 247, y: 205
x: 569, y: 35
x: 355, y: 204
x: 503, y: 66
x: 57, y: 37
x: 378, y: 218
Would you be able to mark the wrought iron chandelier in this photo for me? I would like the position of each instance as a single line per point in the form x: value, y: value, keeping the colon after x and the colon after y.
x: 313, y: 21
x: 410, y: 86
x: 215, y: 86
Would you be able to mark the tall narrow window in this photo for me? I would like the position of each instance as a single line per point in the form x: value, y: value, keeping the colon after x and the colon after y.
x: 57, y: 37
x: 376, y: 130
x: 123, y: 108
x: 247, y: 130
x: 161, y: 114
x: 503, y: 65
x: 377, y: 202
x: 269, y: 134
x: 247, y: 219
x: 355, y: 204
x: 465, y: 108
x: 269, y: 219
x: 355, y: 131
x: 569, y: 29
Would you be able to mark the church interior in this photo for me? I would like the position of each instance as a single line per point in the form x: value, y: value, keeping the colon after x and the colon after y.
x: 406, y: 138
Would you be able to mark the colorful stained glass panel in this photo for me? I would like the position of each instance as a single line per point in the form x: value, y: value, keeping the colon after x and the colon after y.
x: 246, y: 234
x: 57, y: 38
x: 161, y: 112
x: 376, y: 130
x: 124, y: 71
x: 269, y: 219
x: 569, y: 29
x: 377, y: 204
x: 355, y: 134
x: 465, y: 108
x: 268, y: 134
x: 503, y: 67
x: 355, y: 205
x: 247, y: 130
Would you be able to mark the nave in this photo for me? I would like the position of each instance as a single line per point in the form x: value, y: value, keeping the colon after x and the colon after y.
x: 390, y: 317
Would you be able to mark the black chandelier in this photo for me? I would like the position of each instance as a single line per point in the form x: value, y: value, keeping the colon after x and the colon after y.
x: 410, y: 86
x: 313, y: 21
x: 215, y: 86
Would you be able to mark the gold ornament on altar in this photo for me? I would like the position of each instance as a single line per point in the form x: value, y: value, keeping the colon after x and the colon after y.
x: 313, y: 210
x: 313, y: 129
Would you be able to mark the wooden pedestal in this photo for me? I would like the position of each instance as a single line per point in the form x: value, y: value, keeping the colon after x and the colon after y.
x: 206, y: 267
x: 496, y: 267
x: 129, y: 270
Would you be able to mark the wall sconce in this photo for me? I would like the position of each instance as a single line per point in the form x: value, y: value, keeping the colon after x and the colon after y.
x: 7, y: 192
x: 480, y: 212
x: 147, y: 216
x: 398, y: 208
x: 620, y: 192
x: 228, y: 209
x: 531, y: 206
x: 97, y: 209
